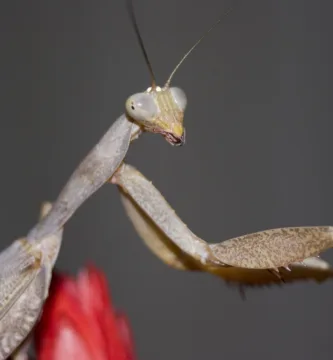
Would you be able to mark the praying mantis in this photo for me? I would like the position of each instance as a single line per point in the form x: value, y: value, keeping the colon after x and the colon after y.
x: 263, y: 258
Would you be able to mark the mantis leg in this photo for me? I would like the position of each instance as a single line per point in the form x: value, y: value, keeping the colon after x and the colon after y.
x: 157, y: 237
x: 156, y: 240
x: 150, y: 200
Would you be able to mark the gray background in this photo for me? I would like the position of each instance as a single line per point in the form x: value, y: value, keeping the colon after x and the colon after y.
x: 258, y: 155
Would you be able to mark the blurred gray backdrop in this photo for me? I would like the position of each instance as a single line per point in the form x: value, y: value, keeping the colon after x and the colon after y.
x: 259, y: 155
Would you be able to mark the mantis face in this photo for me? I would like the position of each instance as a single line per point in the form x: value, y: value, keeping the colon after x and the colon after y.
x: 160, y: 110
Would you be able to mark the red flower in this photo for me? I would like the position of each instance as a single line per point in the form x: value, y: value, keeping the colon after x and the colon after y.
x: 79, y: 322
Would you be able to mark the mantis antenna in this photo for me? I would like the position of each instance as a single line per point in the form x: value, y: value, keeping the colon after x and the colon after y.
x: 167, y: 84
x: 131, y: 12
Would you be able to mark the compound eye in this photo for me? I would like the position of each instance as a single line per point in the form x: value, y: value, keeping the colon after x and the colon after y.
x: 179, y: 97
x: 141, y: 107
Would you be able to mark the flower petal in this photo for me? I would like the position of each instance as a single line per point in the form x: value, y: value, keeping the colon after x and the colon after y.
x: 79, y: 322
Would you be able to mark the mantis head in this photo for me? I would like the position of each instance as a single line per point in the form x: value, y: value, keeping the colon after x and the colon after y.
x: 160, y: 109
